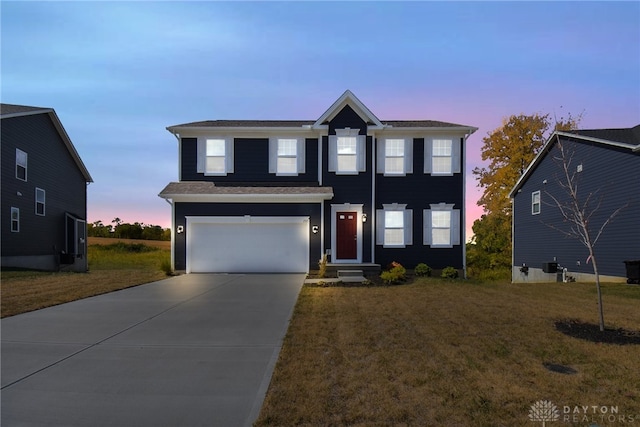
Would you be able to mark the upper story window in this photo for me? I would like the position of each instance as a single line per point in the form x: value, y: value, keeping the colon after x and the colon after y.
x: 21, y: 164
x: 215, y: 156
x: 287, y: 156
x: 442, y: 155
x: 395, y: 156
x: 15, y: 220
x: 535, y: 203
x: 441, y: 226
x: 40, y: 201
x: 394, y: 227
x: 347, y: 152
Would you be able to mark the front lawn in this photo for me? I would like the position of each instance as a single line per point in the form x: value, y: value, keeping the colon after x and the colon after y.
x: 453, y: 353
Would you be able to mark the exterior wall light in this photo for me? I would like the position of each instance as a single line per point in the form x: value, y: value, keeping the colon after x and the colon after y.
x: 364, y: 217
x: 180, y: 229
x: 314, y: 229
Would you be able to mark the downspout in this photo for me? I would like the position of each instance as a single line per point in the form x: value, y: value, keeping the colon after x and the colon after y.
x: 463, y: 224
x: 322, y: 227
x: 372, y: 222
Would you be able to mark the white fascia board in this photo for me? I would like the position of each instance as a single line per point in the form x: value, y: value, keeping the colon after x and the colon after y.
x: 248, y: 198
x: 598, y: 140
x: 26, y: 113
x: 241, y: 132
x: 421, y: 132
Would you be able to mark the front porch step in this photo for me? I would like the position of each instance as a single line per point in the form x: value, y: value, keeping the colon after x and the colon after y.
x: 366, y: 268
x: 350, y: 273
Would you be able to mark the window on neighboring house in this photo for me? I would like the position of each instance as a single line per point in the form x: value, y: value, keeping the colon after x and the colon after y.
x: 215, y: 156
x: 40, y: 201
x: 394, y: 226
x: 441, y: 226
x: 395, y: 156
x: 15, y: 220
x: 347, y: 152
x: 21, y: 165
x: 535, y: 203
x: 287, y: 156
x: 442, y: 156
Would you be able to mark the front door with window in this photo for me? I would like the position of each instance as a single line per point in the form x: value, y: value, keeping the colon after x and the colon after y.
x: 346, y: 235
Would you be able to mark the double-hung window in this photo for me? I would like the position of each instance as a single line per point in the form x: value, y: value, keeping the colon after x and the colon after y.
x: 215, y: 156
x: 15, y: 220
x: 394, y: 226
x: 535, y: 203
x: 21, y: 165
x: 287, y: 156
x: 442, y: 155
x: 40, y: 201
x: 347, y: 152
x: 441, y: 226
x: 395, y: 156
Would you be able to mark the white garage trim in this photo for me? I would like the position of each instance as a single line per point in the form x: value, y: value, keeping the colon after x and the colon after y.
x: 248, y: 244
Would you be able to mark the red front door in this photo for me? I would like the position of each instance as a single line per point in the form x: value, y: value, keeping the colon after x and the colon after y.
x: 346, y: 235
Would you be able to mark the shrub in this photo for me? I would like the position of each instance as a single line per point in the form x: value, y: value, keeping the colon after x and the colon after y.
x: 422, y: 269
x: 449, y: 273
x: 165, y: 266
x: 322, y: 266
x: 394, y: 275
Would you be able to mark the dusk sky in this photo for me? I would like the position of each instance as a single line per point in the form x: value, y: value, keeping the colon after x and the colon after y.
x: 119, y: 73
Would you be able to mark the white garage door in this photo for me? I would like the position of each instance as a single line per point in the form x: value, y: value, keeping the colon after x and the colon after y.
x: 247, y: 244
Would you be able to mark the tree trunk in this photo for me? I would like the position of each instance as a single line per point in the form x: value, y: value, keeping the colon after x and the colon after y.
x: 600, y: 310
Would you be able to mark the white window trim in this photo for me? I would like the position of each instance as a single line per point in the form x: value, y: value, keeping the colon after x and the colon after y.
x: 202, y: 155
x: 456, y: 155
x: 300, y: 156
x: 44, y: 201
x: 26, y: 163
x: 17, y: 221
x: 454, y: 228
x: 407, y: 224
x: 361, y: 153
x: 407, y: 166
x: 533, y: 204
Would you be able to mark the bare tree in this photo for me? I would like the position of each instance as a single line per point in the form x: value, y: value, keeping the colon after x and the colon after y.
x: 577, y: 212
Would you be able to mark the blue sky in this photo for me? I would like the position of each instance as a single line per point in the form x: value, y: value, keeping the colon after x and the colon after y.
x: 119, y: 73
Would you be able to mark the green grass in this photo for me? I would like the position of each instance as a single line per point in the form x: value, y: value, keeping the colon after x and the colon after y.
x: 455, y: 353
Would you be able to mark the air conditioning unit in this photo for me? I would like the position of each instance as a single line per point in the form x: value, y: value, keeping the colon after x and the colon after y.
x: 550, y: 267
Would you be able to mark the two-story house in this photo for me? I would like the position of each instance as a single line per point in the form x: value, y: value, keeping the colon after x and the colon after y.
x: 44, y: 192
x: 603, y: 166
x: 275, y: 195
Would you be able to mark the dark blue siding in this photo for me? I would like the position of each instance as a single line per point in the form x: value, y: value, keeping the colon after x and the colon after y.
x: 419, y: 190
x: 50, y: 167
x: 182, y: 210
x: 613, y: 176
x: 251, y: 163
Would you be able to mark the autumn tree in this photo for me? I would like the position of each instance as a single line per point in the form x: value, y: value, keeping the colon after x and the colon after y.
x: 509, y: 150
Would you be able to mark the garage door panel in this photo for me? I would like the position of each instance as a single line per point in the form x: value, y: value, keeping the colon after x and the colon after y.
x: 251, y: 247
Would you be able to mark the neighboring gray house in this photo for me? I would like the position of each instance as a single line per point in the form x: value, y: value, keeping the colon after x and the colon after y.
x: 44, y: 192
x: 275, y: 195
x: 606, y: 164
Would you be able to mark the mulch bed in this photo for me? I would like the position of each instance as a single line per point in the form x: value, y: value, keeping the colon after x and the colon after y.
x: 591, y: 332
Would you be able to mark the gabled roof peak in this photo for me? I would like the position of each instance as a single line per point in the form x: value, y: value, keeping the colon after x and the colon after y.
x: 348, y: 98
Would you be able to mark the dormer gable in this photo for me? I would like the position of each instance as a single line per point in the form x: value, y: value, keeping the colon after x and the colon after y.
x: 348, y: 98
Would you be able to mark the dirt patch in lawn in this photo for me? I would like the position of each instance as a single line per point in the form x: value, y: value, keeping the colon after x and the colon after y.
x: 591, y: 332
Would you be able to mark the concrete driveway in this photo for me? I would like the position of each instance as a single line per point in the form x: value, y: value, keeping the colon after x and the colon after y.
x: 193, y: 350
